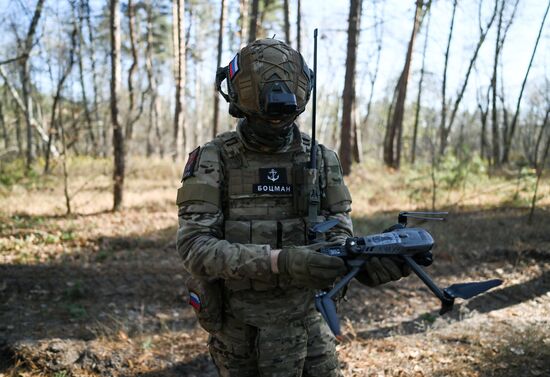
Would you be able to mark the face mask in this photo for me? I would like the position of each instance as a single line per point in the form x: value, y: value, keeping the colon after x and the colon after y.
x: 268, y: 133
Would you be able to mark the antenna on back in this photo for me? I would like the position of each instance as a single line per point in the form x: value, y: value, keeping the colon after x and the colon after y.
x: 314, y: 199
x: 313, y: 158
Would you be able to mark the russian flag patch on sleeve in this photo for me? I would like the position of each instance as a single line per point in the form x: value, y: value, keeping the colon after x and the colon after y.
x: 195, y: 301
x: 234, y: 67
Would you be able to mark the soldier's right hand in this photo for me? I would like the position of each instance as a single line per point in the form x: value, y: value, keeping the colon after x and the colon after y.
x: 309, y: 268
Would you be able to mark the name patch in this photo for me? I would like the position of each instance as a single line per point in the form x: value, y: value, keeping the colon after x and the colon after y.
x: 272, y: 181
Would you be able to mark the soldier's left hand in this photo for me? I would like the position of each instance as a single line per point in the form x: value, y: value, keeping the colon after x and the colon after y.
x: 382, y: 270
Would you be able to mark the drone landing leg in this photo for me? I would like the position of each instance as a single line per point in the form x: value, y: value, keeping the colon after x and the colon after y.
x: 446, y: 302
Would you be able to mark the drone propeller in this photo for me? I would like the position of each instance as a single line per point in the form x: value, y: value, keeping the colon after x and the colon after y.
x: 469, y: 290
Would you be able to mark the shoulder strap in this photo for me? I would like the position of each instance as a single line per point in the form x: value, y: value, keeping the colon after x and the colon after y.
x: 232, y: 149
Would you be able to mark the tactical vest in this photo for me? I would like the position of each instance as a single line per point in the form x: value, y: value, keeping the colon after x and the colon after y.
x: 265, y: 200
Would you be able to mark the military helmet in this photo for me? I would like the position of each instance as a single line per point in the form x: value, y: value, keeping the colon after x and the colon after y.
x: 267, y: 79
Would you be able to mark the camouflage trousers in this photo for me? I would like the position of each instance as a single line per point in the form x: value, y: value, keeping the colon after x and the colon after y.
x: 304, y: 347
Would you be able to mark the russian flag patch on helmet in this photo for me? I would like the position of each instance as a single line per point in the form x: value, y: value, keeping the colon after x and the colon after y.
x: 234, y: 67
x: 195, y: 301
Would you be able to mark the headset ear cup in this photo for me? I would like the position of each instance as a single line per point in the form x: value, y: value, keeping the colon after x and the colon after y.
x: 221, y: 74
x: 235, y: 112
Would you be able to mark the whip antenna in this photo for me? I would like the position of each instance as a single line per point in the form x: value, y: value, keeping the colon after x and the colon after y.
x: 313, y: 158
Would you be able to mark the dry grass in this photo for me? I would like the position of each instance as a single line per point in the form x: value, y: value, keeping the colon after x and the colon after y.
x: 110, y: 284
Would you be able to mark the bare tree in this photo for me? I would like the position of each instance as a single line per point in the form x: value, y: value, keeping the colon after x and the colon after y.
x: 5, y: 135
x: 154, y: 105
x: 57, y: 97
x: 483, y: 107
x: 444, y: 131
x: 392, y: 139
x: 102, y: 134
x: 25, y: 79
x: 218, y: 63
x: 132, y: 116
x: 502, y: 30
x: 373, y: 74
x: 348, y: 96
x: 419, y: 94
x: 443, y: 117
x: 35, y: 123
x: 253, y: 28
x: 540, y: 166
x: 245, y: 23
x: 299, y: 25
x: 287, y: 21
x: 118, y: 137
x: 509, y: 135
x: 179, y: 59
x: 79, y: 14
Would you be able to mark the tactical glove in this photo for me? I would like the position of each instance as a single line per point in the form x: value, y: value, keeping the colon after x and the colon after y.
x: 381, y: 270
x: 310, y: 268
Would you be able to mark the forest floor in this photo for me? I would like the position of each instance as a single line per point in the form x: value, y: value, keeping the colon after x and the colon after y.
x: 97, y: 293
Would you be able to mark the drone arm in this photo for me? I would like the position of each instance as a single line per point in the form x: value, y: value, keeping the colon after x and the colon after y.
x: 446, y: 302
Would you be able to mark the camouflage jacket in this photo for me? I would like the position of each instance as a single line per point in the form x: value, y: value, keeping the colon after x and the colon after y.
x: 230, y: 217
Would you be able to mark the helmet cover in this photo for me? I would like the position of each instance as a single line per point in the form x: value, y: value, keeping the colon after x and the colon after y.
x: 263, y: 71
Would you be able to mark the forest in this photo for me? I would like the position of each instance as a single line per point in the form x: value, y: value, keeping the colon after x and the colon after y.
x: 432, y: 105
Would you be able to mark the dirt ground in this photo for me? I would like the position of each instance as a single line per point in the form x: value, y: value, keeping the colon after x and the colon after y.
x: 102, y: 294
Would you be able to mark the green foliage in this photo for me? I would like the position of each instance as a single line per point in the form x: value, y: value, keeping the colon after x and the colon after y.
x: 75, y: 291
x: 428, y: 317
x: 13, y: 172
x: 428, y: 182
x: 147, y: 344
x: 76, y: 311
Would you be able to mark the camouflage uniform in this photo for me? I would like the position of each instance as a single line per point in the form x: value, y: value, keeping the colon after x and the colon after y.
x: 240, y: 201
x: 243, y: 209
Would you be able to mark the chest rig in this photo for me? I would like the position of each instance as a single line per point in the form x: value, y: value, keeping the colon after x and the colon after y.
x: 264, y: 195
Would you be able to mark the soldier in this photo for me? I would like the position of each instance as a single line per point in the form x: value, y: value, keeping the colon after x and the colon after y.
x: 242, y: 225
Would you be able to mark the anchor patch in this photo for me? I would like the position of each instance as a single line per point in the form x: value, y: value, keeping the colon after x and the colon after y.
x: 272, y: 181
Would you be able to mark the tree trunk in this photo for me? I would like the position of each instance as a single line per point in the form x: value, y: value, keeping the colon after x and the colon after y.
x: 64, y: 165
x: 179, y: 117
x: 21, y: 106
x: 4, y: 128
x: 118, y: 137
x: 445, y: 131
x: 348, y: 95
x: 152, y: 83
x: 392, y: 140
x: 484, y: 114
x: 539, y: 169
x: 253, y: 28
x: 131, y: 72
x: 443, y: 118
x: 419, y: 95
x: 25, y: 79
x: 244, y: 31
x: 287, y: 21
x: 81, y: 43
x: 102, y: 134
x: 499, y: 43
x: 509, y: 136
x: 218, y: 63
x: 494, y: 113
x: 541, y: 134
x: 299, y: 25
x: 57, y: 98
